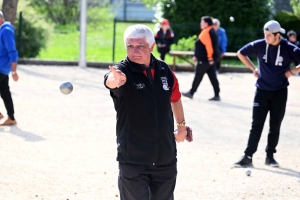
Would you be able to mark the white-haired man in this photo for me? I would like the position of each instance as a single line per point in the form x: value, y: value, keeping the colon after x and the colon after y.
x: 223, y: 41
x: 8, y: 63
x: 146, y: 94
x: 274, y: 55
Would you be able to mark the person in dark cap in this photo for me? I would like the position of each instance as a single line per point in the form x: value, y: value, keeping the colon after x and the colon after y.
x: 206, y: 55
x: 274, y: 55
x: 292, y: 38
x: 164, y: 38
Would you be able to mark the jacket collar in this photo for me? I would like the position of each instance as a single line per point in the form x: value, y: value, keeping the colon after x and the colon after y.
x: 139, y: 68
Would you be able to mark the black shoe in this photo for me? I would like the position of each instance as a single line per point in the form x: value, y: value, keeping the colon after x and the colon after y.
x: 270, y: 161
x: 246, y: 161
x: 215, y: 98
x: 187, y: 94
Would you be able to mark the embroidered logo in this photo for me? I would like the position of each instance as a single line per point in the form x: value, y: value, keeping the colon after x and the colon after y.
x: 255, y: 104
x: 140, y: 85
x: 164, y: 81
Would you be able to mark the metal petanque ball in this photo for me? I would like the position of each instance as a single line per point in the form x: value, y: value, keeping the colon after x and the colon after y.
x: 66, y: 88
x: 248, y: 172
x: 231, y: 19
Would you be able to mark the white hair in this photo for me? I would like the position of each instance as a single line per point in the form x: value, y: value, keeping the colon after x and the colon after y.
x: 1, y: 14
x: 216, y: 21
x: 139, y: 31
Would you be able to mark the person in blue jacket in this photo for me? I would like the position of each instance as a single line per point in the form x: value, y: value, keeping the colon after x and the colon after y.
x: 274, y: 55
x: 222, y: 41
x: 8, y: 64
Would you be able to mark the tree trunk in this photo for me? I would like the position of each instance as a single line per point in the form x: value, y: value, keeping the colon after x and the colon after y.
x: 9, y: 9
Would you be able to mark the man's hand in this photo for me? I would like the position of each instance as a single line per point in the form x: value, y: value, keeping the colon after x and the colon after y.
x: 288, y: 74
x: 181, y: 134
x: 15, y: 76
x: 256, y: 73
x: 211, y: 62
x: 118, y: 77
x: 194, y: 59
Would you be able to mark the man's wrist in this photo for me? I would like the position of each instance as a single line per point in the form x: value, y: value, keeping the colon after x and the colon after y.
x: 13, y: 72
x: 181, y: 124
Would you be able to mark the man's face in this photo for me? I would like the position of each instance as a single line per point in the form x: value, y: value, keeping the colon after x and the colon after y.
x: 271, y: 38
x: 293, y: 38
x: 216, y: 26
x: 203, y: 24
x: 138, y: 50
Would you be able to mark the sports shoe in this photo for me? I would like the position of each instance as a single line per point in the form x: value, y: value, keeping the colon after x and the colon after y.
x: 270, y: 161
x: 246, y: 161
x: 9, y: 122
x: 187, y: 94
x: 215, y: 98
x: 1, y: 116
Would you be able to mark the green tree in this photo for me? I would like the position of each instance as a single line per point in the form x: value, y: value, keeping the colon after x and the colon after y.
x: 249, y: 15
x: 61, y: 12
x: 296, y: 6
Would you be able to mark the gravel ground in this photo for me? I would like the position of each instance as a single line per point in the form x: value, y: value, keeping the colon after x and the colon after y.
x: 64, y: 145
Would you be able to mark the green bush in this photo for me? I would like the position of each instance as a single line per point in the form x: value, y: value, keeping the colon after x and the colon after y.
x: 288, y: 21
x: 33, y: 38
x: 250, y: 17
x: 185, y: 44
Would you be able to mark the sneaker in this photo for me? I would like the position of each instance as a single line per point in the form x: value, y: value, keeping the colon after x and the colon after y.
x: 246, y: 161
x: 270, y: 161
x: 215, y: 98
x: 9, y: 122
x: 1, y: 116
x: 187, y: 94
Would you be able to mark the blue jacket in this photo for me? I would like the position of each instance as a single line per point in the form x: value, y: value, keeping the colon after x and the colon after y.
x: 273, y: 62
x: 222, y: 40
x: 8, y: 52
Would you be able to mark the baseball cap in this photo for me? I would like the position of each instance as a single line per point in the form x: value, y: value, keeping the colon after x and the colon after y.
x: 273, y: 27
x: 165, y: 22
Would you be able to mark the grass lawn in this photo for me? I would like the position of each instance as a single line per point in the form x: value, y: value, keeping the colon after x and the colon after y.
x: 63, y: 44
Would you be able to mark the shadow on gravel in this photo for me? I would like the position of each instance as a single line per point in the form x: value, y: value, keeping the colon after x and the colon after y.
x: 27, y: 136
x: 282, y: 171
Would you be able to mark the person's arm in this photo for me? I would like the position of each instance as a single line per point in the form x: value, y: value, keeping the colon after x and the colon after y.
x: 10, y: 45
x: 242, y: 55
x: 116, y: 78
x: 224, y: 41
x: 295, y: 54
x: 177, y: 109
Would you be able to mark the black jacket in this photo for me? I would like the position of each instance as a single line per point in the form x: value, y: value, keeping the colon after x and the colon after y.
x: 210, y: 36
x: 145, y: 121
x: 167, y: 39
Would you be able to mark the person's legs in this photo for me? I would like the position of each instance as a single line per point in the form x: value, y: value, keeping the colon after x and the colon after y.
x: 277, y: 111
x: 261, y: 108
x: 200, y: 70
x: 214, y: 80
x: 218, y: 66
x: 133, y: 182
x: 163, y: 181
x: 6, y: 96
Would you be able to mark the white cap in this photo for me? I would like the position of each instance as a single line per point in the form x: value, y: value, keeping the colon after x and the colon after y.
x: 273, y: 27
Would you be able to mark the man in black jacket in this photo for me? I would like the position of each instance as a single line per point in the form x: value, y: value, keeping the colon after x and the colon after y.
x: 146, y: 94
x: 206, y: 55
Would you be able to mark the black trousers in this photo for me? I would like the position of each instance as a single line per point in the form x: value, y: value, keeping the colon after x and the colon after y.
x: 6, y: 95
x: 200, y: 70
x: 147, y: 182
x: 264, y: 102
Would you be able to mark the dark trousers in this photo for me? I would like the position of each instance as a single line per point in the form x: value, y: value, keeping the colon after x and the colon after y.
x: 162, y: 56
x: 218, y: 66
x: 6, y: 95
x: 264, y: 102
x: 200, y: 70
x: 147, y: 182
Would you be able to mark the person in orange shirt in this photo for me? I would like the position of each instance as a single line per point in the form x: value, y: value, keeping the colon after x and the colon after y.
x: 206, y: 54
